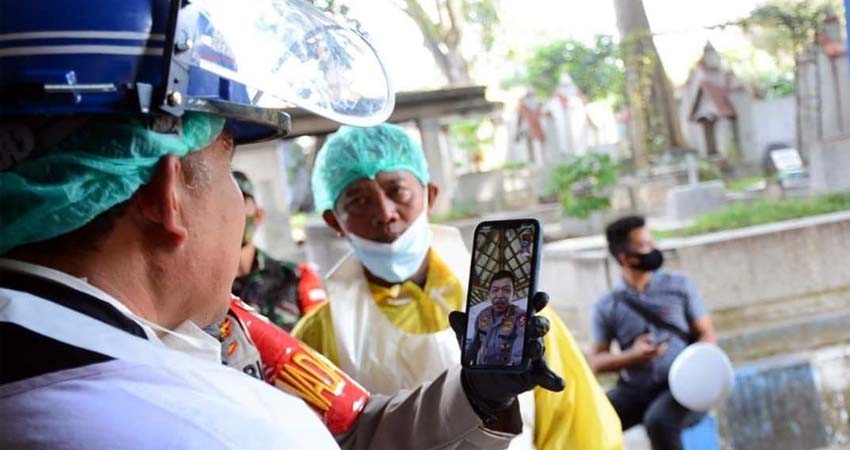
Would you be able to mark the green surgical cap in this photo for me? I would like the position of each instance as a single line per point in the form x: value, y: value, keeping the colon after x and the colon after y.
x: 356, y: 153
x: 97, y: 167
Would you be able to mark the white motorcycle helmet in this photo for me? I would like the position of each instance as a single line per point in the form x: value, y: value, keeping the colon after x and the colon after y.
x: 701, y: 377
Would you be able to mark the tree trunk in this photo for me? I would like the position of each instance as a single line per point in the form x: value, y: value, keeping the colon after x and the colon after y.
x: 798, y: 106
x: 443, y: 39
x: 452, y: 63
x: 807, y: 101
x: 655, y: 122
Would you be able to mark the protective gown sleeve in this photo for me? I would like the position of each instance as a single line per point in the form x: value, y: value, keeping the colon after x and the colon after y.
x: 580, y: 417
x: 316, y: 329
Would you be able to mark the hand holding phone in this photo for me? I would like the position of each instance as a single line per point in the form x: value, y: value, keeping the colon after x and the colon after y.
x: 645, y: 348
x: 503, y: 280
x: 491, y: 391
x: 500, y: 335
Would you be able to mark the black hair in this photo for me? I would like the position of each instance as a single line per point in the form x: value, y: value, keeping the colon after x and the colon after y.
x: 240, y: 176
x: 617, y: 233
x: 502, y: 274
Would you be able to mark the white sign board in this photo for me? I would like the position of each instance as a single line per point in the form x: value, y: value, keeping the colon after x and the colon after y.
x: 786, y: 160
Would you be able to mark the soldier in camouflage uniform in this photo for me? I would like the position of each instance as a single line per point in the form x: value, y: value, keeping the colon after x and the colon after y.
x: 280, y: 290
x: 499, y: 327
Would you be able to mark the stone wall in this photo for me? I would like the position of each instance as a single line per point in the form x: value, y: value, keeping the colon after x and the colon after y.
x: 774, y: 121
x: 834, y: 82
x: 478, y: 191
x: 647, y: 195
x: 797, y: 401
x: 496, y: 190
x: 829, y: 164
x: 761, y: 284
x: 689, y: 201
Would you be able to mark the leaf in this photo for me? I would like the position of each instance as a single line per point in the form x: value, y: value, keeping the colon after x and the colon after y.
x: 582, y: 184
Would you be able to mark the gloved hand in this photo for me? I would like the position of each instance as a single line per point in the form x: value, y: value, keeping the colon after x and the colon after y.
x: 491, y: 392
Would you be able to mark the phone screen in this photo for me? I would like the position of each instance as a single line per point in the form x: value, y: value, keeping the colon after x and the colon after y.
x: 503, y: 277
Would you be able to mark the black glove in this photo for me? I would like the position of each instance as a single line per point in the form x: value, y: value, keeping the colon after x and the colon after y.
x: 491, y: 392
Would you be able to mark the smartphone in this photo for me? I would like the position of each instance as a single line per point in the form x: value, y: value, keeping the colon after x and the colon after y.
x: 657, y: 341
x: 502, y: 280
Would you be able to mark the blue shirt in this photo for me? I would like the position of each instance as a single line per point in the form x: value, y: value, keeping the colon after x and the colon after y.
x: 672, y: 297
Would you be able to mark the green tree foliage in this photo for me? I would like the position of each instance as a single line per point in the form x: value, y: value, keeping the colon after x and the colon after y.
x: 776, y: 84
x: 597, y: 69
x: 583, y: 184
x: 773, y: 78
x: 785, y: 27
x: 444, y: 25
x: 484, y: 14
x: 472, y: 135
x: 742, y: 215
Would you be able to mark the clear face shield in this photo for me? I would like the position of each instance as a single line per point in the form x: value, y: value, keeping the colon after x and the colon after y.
x: 285, y: 53
x: 245, y: 61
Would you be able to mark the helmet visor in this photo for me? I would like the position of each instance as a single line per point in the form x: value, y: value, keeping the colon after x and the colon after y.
x: 287, y: 51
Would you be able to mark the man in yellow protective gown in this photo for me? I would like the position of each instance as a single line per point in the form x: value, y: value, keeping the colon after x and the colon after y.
x: 386, y: 322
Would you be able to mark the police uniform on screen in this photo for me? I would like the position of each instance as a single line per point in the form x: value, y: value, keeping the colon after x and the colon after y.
x: 498, y: 337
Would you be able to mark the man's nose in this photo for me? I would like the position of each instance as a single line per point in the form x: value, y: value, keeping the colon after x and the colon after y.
x: 386, y: 211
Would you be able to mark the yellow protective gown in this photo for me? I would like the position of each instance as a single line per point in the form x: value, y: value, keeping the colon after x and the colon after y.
x: 578, y: 418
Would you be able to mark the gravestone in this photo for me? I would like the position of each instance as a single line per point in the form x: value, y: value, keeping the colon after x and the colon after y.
x: 775, y: 407
x: 687, y: 202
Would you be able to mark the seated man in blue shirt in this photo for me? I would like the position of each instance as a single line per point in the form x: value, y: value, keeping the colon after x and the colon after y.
x: 653, y: 315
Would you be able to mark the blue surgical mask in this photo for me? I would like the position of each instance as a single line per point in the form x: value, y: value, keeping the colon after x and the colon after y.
x: 399, y: 260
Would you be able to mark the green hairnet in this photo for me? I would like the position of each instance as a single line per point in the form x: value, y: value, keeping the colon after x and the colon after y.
x: 355, y: 153
x: 94, y: 169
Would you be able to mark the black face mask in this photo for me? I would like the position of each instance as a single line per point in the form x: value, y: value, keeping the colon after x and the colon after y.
x: 647, y: 262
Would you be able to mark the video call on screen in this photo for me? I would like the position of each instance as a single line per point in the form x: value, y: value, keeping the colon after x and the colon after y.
x: 498, y: 295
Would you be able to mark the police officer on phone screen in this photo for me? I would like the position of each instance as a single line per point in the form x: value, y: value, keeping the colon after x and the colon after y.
x: 499, y: 327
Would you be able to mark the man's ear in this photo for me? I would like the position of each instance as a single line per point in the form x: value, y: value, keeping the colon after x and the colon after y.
x: 331, y: 221
x: 260, y: 216
x: 433, y: 191
x: 161, y: 201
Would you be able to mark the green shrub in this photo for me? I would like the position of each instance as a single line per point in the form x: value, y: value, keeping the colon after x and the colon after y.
x: 748, y: 214
x: 742, y: 184
x: 582, y: 184
x: 707, y: 171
